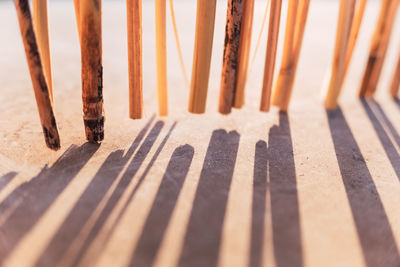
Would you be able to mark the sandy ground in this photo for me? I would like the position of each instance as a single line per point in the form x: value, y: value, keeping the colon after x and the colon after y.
x: 309, y: 188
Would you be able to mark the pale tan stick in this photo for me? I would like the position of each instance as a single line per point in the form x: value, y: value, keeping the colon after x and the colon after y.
x: 134, y: 22
x: 379, y: 45
x: 178, y: 45
x: 253, y: 58
x: 205, y: 20
x: 270, y: 57
x: 161, y: 56
x: 346, y: 12
x: 286, y: 65
x: 244, y: 53
x: 77, y: 14
x: 395, y: 85
x: 41, y: 27
x: 230, y: 59
x: 40, y: 87
x: 92, y: 69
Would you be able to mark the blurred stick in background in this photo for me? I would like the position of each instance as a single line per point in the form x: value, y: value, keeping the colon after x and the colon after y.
x: 346, y: 13
x: 134, y: 22
x: 395, y: 85
x: 92, y: 69
x: 355, y: 29
x: 243, y: 53
x: 295, y: 26
x: 41, y: 27
x: 161, y: 56
x: 205, y: 20
x: 230, y: 58
x: 40, y: 87
x: 270, y: 57
x: 379, y: 44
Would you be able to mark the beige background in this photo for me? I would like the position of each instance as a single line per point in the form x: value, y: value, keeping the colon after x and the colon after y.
x: 248, y: 189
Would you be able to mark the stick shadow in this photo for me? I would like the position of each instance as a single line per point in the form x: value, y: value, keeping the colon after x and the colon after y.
x: 33, y: 198
x: 60, y: 247
x: 6, y: 179
x: 163, y: 206
x: 274, y: 172
x: 374, y: 231
x: 378, y: 120
x: 202, y: 239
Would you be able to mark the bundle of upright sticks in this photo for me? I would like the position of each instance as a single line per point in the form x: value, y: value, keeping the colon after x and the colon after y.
x: 239, y: 22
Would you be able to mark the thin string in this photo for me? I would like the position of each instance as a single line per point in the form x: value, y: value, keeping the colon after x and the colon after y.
x: 178, y: 46
x: 259, y: 36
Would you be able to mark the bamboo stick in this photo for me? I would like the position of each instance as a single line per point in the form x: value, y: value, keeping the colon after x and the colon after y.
x: 41, y: 27
x: 395, y: 85
x: 178, y: 46
x: 41, y: 90
x: 379, y: 45
x: 92, y: 69
x: 77, y: 15
x: 161, y: 56
x: 286, y: 65
x: 270, y: 57
x: 346, y: 12
x: 205, y: 20
x: 230, y: 59
x: 355, y: 29
x: 296, y: 21
x: 134, y: 22
x: 244, y: 53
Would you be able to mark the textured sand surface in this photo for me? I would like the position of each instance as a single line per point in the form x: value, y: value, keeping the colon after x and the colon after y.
x: 309, y: 188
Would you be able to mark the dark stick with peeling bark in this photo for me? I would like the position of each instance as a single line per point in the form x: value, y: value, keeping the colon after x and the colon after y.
x: 134, y: 17
x: 92, y: 69
x: 40, y: 86
x: 230, y: 62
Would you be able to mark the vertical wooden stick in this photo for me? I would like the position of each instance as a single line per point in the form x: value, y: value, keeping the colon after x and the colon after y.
x: 296, y: 21
x: 355, y: 29
x: 92, y: 69
x: 298, y: 41
x: 230, y: 60
x: 205, y: 19
x: 134, y: 22
x: 379, y: 45
x: 161, y: 56
x: 286, y: 65
x: 395, y: 85
x: 40, y: 87
x: 77, y: 15
x: 346, y: 13
x: 282, y: 87
x: 270, y: 57
x: 41, y: 27
x: 244, y: 53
